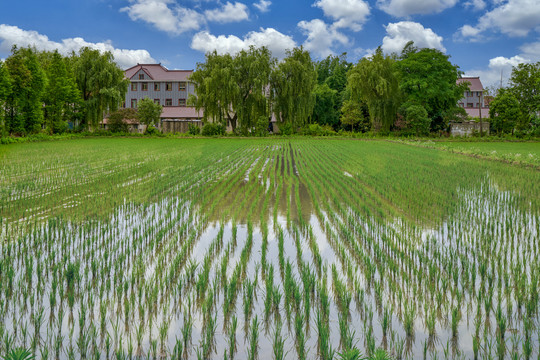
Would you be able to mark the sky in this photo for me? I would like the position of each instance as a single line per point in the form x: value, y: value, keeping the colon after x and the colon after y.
x: 483, y: 37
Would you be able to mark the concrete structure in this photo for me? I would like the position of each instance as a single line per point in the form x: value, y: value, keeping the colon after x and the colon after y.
x: 467, y: 128
x: 169, y: 88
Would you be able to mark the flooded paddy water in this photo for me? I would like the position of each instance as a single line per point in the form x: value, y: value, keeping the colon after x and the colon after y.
x: 274, y: 248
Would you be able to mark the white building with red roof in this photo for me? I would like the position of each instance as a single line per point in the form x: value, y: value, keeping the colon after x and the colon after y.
x: 169, y: 88
x: 473, y: 100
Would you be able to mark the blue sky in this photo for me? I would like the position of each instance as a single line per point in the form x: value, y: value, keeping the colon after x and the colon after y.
x: 483, y: 37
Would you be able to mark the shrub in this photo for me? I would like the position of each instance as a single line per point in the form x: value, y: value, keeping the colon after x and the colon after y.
x: 417, y: 120
x: 211, y: 129
x: 261, y: 128
x: 152, y: 130
x: 194, y: 129
x: 318, y: 130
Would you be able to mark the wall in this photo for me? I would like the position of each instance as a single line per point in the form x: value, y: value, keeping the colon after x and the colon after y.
x: 181, y: 126
x: 468, y: 127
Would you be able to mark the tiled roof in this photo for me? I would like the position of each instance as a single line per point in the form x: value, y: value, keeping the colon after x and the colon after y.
x: 180, y: 112
x: 473, y: 112
x: 475, y: 83
x: 158, y: 72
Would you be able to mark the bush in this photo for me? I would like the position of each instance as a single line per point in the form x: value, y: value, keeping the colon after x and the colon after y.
x: 285, y: 129
x: 261, y: 128
x: 318, y: 130
x: 417, y: 120
x: 194, y: 129
x: 152, y: 130
x: 210, y: 129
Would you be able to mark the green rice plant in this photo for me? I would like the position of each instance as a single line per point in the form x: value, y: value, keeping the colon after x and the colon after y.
x: 232, y: 343
x: 253, y: 352
x: 456, y: 318
x: 278, y: 345
x: 409, y: 316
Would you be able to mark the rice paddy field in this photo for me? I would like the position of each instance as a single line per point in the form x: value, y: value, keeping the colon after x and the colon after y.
x: 266, y: 249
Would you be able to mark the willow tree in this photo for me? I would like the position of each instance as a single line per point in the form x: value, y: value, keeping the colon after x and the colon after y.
x: 101, y: 83
x: 5, y: 92
x: 375, y: 80
x: 293, y: 81
x: 232, y: 89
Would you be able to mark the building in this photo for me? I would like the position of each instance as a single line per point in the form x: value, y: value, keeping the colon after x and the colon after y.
x: 476, y: 105
x: 473, y: 98
x: 169, y: 88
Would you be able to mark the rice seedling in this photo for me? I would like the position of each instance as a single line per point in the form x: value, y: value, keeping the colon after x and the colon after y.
x: 406, y: 232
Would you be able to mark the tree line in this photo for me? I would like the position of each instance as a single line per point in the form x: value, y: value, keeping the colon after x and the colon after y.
x: 415, y: 91
x: 46, y: 90
x: 516, y: 108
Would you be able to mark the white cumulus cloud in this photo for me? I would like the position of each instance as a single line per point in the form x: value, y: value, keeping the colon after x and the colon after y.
x: 321, y: 37
x: 512, y: 17
x: 263, y: 5
x: 227, y: 13
x: 350, y: 14
x: 400, y: 33
x: 405, y: 8
x: 12, y: 35
x: 165, y: 15
x: 275, y: 41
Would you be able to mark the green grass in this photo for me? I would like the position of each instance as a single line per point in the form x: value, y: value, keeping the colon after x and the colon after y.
x: 159, y: 247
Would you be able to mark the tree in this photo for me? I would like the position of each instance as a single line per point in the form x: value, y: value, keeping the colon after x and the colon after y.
x: 525, y: 86
x: 427, y: 78
x: 5, y: 93
x: 24, y: 104
x: 353, y: 115
x: 61, y: 94
x: 326, y: 102
x: 101, y: 83
x: 504, y: 112
x: 117, y: 119
x: 417, y: 120
x: 234, y: 90
x: 292, y: 82
x: 375, y: 80
x: 149, y: 112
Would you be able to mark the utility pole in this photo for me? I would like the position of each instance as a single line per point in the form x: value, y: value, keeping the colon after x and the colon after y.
x: 480, y: 112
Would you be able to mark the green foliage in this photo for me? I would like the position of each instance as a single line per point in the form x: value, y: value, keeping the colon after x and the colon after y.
x: 194, y: 129
x: 152, y: 130
x: 325, y: 111
x: 261, y: 128
x: 211, y: 129
x: 429, y: 79
x: 5, y: 93
x: 149, y: 112
x: 354, y: 116
x: 318, y: 130
x: 417, y: 120
x: 292, y: 84
x: 19, y: 354
x: 61, y: 95
x: 101, y: 83
x: 233, y: 90
x: 24, y: 106
x: 375, y: 81
x: 117, y: 120
x: 504, y: 112
x: 330, y: 90
x: 525, y: 86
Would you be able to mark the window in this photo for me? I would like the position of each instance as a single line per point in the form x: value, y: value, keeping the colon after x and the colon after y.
x: 168, y: 102
x: 133, y: 103
x: 181, y: 102
x: 181, y: 86
x: 133, y: 86
x: 141, y: 76
x: 144, y: 86
x: 469, y: 105
x: 168, y: 86
x: 156, y: 101
x: 156, y: 86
